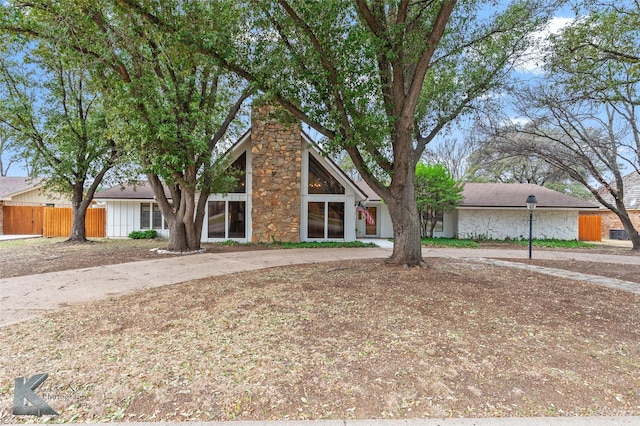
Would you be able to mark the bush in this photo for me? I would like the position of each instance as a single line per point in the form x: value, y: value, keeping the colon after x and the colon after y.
x: 141, y: 235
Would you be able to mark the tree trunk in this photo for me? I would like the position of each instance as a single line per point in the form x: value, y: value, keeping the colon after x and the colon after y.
x: 78, y: 215
x: 631, y: 230
x: 177, y: 236
x: 407, y: 247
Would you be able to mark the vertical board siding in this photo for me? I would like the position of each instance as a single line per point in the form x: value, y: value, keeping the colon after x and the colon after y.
x: 57, y: 222
x: 589, y: 228
x: 23, y: 220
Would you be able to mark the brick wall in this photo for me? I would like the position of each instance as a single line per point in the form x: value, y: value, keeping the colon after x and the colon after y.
x: 1, y: 217
x: 611, y: 221
x: 276, y: 150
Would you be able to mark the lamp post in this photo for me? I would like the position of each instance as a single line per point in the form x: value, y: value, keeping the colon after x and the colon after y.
x: 531, y: 206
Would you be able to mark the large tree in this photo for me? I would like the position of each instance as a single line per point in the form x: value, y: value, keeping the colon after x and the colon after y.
x: 379, y: 79
x: 175, y: 104
x: 493, y: 159
x: 583, y: 118
x: 58, y: 122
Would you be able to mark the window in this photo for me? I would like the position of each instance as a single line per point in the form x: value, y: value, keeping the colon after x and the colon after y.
x: 151, y: 217
x: 325, y: 219
x: 315, y: 220
x: 216, y: 219
x: 236, y: 219
x: 321, y: 181
x: 241, y: 166
x: 227, y: 219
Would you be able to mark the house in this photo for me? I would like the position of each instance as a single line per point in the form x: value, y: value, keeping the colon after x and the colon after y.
x: 24, y: 192
x: 611, y: 225
x: 498, y: 211
x: 290, y: 191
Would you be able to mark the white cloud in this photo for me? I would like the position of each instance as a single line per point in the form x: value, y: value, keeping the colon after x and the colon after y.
x: 533, y: 60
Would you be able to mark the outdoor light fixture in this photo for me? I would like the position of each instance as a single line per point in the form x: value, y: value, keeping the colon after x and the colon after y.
x: 531, y: 206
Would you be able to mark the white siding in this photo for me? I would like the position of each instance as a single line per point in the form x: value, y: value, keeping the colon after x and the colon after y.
x: 38, y: 196
x: 123, y: 217
x: 514, y: 224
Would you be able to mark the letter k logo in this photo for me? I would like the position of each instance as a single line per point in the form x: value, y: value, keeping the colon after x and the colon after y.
x: 24, y: 394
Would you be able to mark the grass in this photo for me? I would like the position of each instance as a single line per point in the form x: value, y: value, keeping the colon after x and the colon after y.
x: 319, y: 244
x: 553, y: 243
x: 546, y: 243
x: 450, y: 242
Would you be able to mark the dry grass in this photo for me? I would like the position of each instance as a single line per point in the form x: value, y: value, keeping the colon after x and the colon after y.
x: 339, y: 340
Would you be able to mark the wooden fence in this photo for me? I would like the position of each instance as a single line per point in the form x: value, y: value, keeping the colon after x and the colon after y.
x: 590, y: 228
x: 51, y: 221
x: 23, y: 220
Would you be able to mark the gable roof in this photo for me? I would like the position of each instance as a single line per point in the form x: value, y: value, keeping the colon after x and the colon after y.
x: 631, y: 186
x: 505, y: 195
x: 140, y: 190
x: 11, y: 186
x: 514, y: 195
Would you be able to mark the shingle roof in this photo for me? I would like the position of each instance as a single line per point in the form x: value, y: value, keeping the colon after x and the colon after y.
x: 11, y: 185
x: 631, y: 187
x: 510, y: 195
x: 141, y: 190
x: 515, y: 195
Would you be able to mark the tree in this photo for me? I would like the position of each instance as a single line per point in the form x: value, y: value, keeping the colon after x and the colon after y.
x: 6, y: 157
x: 453, y: 154
x: 493, y: 160
x: 175, y: 104
x: 377, y: 79
x: 437, y: 193
x: 59, y: 122
x: 583, y: 118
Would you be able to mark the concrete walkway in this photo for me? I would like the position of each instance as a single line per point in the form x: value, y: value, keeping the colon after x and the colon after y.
x: 25, y: 297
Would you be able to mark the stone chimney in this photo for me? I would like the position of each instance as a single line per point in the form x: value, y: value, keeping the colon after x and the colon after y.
x: 276, y: 149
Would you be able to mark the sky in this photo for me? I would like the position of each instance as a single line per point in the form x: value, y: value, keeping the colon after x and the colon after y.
x: 530, y: 68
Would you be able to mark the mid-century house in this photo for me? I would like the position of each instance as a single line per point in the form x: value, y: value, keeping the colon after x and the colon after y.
x: 290, y: 191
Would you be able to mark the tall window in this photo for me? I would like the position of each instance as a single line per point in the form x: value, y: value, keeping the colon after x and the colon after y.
x: 227, y: 219
x: 151, y: 217
x: 216, y: 219
x: 325, y: 219
x: 240, y: 165
x: 321, y: 181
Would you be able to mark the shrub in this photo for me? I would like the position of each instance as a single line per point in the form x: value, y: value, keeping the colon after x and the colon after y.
x: 146, y: 234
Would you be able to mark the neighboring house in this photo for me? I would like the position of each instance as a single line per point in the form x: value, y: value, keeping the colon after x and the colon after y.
x: 290, y: 191
x: 25, y: 191
x: 611, y: 225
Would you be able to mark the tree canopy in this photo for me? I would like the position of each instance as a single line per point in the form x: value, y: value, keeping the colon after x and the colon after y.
x: 582, y: 119
x: 57, y: 119
x: 174, y: 104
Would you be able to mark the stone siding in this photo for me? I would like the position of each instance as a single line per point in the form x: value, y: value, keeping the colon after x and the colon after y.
x: 510, y: 224
x: 276, y: 166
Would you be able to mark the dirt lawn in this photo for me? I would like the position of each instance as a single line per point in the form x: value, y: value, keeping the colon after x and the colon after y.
x: 353, y: 339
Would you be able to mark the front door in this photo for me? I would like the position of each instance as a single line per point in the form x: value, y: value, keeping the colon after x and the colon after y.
x: 371, y: 229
